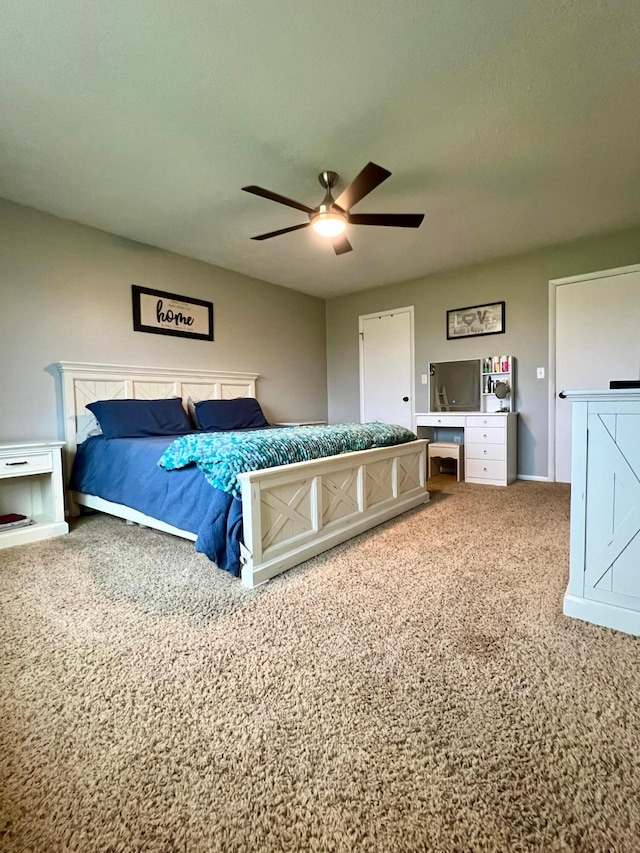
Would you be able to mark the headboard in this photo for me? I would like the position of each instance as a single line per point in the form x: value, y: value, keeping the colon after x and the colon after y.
x: 86, y: 383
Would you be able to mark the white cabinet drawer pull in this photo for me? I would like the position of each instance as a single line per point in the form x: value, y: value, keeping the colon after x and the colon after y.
x: 11, y: 464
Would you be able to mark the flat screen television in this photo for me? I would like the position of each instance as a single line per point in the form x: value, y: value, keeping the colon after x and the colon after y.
x: 454, y: 386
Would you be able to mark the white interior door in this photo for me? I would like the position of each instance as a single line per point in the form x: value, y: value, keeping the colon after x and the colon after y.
x: 386, y: 367
x: 597, y: 340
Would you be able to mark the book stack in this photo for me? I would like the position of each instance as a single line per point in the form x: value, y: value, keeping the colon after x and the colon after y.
x: 12, y: 520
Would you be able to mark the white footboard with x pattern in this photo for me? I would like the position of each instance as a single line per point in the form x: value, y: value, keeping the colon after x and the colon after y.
x: 293, y: 512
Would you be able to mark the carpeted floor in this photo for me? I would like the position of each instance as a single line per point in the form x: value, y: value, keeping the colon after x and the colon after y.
x: 415, y: 689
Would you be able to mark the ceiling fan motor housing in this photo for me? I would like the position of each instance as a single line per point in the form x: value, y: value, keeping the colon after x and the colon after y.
x: 328, y: 180
x: 328, y: 210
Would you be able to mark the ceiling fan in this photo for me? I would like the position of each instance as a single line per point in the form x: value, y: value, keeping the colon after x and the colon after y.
x: 331, y: 217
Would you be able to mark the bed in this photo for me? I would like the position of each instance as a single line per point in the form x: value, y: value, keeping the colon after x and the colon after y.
x: 287, y: 513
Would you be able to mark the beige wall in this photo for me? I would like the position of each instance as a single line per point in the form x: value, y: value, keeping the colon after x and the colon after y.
x: 522, y: 282
x: 66, y: 296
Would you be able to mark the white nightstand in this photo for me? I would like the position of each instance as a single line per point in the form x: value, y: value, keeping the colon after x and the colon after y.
x: 301, y: 423
x: 31, y: 485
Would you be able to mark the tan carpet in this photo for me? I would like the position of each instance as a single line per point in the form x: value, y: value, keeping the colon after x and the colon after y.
x: 415, y: 689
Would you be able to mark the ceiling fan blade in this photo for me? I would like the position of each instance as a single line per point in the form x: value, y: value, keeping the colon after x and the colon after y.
x: 399, y: 220
x: 368, y: 179
x: 281, y: 199
x: 281, y: 231
x: 341, y: 245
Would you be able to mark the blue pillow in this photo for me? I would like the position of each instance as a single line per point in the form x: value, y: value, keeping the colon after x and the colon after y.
x: 136, y: 418
x: 240, y: 413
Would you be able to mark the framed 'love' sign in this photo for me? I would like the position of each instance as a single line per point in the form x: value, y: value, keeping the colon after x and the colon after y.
x: 476, y: 320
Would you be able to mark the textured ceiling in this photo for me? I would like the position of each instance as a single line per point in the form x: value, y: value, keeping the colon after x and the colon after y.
x: 511, y: 125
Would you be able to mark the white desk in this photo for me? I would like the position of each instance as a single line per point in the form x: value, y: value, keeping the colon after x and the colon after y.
x: 490, y: 442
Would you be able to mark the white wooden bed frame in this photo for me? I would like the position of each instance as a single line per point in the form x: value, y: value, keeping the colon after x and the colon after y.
x: 290, y: 513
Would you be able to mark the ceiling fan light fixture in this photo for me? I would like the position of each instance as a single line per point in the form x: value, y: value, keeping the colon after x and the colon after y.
x: 329, y: 224
x: 331, y: 217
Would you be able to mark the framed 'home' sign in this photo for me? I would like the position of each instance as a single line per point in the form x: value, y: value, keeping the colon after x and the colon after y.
x: 164, y: 313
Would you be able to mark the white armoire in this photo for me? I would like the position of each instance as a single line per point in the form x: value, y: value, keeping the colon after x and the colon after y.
x: 604, y: 566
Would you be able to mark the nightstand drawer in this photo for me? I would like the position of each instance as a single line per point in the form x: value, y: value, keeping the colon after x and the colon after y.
x: 486, y: 469
x: 29, y: 463
x: 485, y: 435
x: 486, y: 451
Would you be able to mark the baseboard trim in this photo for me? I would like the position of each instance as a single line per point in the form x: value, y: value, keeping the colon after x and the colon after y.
x: 599, y: 613
x: 533, y: 477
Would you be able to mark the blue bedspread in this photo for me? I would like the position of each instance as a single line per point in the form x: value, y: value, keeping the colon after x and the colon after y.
x: 125, y: 471
x: 221, y: 456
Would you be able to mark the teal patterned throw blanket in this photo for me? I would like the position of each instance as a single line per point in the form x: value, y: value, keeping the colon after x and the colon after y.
x: 221, y: 456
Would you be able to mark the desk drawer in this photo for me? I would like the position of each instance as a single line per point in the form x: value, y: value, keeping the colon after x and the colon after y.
x: 486, y: 451
x: 440, y: 421
x: 485, y: 435
x: 497, y: 421
x: 29, y: 463
x: 486, y: 469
